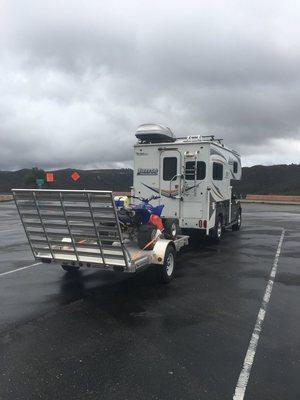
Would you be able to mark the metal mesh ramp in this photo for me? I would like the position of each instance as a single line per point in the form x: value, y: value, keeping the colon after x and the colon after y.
x: 76, y: 226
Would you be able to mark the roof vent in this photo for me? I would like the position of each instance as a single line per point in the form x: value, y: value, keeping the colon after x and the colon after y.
x: 154, y: 133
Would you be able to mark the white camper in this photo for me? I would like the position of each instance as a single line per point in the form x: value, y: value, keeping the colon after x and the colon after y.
x: 192, y: 175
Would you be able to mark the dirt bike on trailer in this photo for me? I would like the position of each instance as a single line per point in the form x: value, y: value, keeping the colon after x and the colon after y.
x: 142, y: 222
x: 86, y: 229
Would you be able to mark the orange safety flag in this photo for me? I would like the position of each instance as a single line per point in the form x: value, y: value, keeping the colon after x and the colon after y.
x: 49, y: 177
x: 75, y: 176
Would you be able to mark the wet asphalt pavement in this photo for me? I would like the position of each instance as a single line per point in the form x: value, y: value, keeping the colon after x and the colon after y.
x: 106, y: 336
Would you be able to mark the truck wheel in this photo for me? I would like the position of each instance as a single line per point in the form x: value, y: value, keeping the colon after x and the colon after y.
x: 237, y: 225
x: 216, y: 233
x: 145, y: 235
x: 171, y: 228
x: 70, y: 268
x: 166, y: 271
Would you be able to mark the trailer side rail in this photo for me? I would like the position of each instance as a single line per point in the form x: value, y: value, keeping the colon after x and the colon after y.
x: 78, y: 226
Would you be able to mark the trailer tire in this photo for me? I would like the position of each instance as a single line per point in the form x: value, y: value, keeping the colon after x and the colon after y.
x: 216, y: 232
x: 145, y: 234
x: 70, y: 269
x: 171, y: 228
x: 237, y: 225
x: 166, y: 271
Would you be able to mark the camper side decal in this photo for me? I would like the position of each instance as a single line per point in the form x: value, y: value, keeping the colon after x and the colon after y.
x: 216, y: 191
x: 217, y: 153
x: 147, y: 171
x: 169, y: 193
x: 165, y: 193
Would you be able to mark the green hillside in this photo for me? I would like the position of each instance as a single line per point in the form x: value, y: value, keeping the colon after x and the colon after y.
x: 275, y: 179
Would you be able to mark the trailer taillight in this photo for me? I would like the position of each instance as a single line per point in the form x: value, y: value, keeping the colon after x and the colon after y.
x: 205, y: 224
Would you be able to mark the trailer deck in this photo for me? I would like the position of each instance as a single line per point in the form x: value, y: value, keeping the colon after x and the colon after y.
x: 81, y: 228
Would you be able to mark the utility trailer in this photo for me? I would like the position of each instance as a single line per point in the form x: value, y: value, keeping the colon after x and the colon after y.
x: 80, y: 228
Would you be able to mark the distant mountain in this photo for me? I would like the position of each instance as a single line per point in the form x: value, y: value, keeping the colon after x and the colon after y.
x: 106, y: 179
x: 275, y: 179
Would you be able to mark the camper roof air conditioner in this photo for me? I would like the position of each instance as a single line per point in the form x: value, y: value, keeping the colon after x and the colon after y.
x: 154, y: 133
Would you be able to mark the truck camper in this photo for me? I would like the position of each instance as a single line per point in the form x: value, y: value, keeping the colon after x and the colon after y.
x: 192, y: 176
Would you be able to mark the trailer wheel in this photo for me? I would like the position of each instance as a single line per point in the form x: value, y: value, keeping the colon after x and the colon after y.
x: 171, y: 228
x: 166, y: 271
x: 70, y: 268
x: 145, y: 235
x: 216, y: 232
x: 237, y: 225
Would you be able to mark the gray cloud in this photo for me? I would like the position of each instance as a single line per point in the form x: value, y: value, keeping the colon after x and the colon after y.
x: 76, y: 78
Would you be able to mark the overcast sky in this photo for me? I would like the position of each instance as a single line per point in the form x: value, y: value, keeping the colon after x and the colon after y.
x: 78, y: 77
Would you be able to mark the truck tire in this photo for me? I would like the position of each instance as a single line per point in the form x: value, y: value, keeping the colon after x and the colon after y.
x: 171, y: 228
x: 70, y: 268
x: 166, y: 271
x: 216, y: 232
x: 145, y: 235
x: 237, y: 225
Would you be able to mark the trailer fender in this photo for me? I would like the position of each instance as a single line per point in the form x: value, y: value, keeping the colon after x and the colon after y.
x: 159, y: 250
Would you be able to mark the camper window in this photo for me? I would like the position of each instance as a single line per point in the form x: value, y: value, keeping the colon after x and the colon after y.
x: 235, y: 167
x: 169, y: 168
x: 190, y: 170
x: 217, y: 171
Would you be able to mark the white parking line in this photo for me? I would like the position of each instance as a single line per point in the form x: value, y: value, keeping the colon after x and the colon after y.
x: 248, y: 361
x: 20, y: 269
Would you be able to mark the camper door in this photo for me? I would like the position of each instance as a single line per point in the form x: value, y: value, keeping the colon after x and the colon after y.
x: 194, y: 190
x: 170, y: 181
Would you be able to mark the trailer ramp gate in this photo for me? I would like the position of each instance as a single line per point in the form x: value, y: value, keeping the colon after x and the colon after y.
x: 76, y: 227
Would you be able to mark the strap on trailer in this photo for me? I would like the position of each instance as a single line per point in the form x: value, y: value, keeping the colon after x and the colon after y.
x: 78, y: 226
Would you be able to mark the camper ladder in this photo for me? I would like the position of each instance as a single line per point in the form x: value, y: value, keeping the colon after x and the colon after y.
x: 191, y: 170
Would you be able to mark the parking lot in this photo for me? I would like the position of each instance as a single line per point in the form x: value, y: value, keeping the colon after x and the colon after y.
x: 105, y: 336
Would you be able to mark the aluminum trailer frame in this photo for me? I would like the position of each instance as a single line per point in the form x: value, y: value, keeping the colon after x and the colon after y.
x: 81, y: 228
